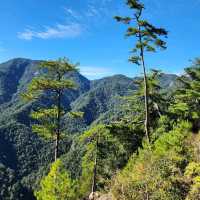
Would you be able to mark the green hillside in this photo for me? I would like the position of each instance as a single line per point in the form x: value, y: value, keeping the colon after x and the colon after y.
x: 22, y: 151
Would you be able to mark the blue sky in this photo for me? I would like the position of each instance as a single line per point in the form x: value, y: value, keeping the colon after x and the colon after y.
x: 85, y: 32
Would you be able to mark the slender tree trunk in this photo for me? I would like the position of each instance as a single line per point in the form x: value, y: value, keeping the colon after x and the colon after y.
x: 56, y: 147
x: 59, y: 93
x: 146, y: 95
x: 57, y: 140
x: 94, y: 180
x: 146, y: 99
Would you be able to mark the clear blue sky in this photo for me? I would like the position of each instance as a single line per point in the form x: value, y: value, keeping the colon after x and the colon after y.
x: 85, y: 32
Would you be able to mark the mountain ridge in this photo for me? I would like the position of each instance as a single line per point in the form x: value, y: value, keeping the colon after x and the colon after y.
x: 99, y: 99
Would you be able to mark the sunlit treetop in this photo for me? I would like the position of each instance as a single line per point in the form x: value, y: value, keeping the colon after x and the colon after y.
x: 52, y: 78
x: 149, y: 36
x: 59, y: 67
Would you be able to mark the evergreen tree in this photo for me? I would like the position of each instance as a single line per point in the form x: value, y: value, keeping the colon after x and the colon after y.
x: 134, y: 112
x: 50, y: 86
x: 104, y: 154
x: 57, y: 185
x: 186, y: 103
x: 148, y: 39
x: 157, y: 99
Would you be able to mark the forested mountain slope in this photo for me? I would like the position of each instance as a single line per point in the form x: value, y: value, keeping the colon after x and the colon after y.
x: 23, y: 153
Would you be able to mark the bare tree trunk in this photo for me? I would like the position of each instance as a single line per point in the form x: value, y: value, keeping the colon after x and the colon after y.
x: 94, y: 181
x: 94, y: 188
x: 146, y: 95
x: 146, y: 99
x: 56, y: 147
x: 59, y: 93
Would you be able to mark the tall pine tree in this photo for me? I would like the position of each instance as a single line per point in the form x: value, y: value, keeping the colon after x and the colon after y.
x: 148, y: 39
x: 50, y: 85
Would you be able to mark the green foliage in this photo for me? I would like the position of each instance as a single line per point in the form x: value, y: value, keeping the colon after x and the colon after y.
x: 52, y: 81
x: 192, y: 174
x: 148, y: 39
x: 174, y: 140
x: 102, y: 101
x: 163, y: 125
x: 148, y: 36
x: 187, y: 99
x: 156, y: 174
x: 134, y: 104
x: 109, y: 154
x: 57, y: 185
x: 125, y: 165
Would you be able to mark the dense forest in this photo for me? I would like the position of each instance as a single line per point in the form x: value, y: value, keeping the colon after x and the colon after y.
x: 64, y: 137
